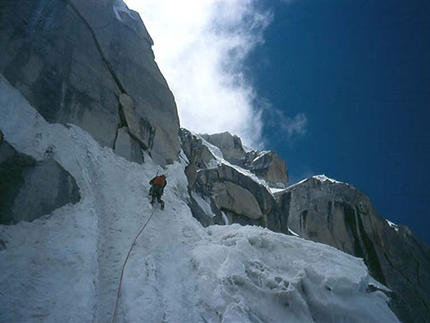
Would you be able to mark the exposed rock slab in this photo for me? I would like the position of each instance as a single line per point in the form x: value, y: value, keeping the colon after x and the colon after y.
x: 267, y: 165
x: 126, y: 147
x: 231, y: 197
x: 230, y: 145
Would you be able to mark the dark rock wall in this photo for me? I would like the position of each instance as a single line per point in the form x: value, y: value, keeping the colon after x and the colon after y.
x: 30, y: 189
x: 50, y: 56
x: 74, y: 60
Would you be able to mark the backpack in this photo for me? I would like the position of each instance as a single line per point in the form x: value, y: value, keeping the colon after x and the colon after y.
x: 159, y: 181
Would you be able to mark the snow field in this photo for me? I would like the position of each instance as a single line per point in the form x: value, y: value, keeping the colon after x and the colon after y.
x: 255, y: 275
x: 65, y: 267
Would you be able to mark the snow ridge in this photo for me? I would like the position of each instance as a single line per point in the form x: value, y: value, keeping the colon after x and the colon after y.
x: 323, y: 178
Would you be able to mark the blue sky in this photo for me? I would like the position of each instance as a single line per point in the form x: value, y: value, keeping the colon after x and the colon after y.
x: 360, y: 73
x: 335, y: 87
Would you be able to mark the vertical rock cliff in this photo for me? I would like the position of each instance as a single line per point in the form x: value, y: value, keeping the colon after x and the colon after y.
x: 90, y: 63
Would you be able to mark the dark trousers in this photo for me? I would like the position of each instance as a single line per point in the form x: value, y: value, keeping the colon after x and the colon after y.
x: 156, y: 193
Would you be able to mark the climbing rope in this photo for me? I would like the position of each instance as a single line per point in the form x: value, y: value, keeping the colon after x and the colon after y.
x: 123, y: 266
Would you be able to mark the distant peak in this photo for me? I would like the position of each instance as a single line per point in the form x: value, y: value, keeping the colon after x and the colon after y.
x: 323, y: 178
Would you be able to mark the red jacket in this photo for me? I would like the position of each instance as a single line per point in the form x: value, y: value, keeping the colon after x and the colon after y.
x: 159, y: 181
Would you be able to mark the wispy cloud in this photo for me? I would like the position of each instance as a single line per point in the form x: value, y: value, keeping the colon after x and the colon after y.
x: 201, y: 46
x: 295, y: 126
x: 290, y: 127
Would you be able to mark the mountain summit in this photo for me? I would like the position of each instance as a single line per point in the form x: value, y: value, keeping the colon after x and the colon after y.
x: 87, y: 119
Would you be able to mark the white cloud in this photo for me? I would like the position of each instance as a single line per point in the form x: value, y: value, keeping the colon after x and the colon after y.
x: 200, y: 47
x: 291, y: 127
x: 295, y: 126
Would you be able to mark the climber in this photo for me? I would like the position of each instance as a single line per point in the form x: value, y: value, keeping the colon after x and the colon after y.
x: 157, y: 189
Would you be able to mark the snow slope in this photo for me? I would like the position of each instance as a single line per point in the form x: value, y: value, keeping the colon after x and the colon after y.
x: 65, y: 267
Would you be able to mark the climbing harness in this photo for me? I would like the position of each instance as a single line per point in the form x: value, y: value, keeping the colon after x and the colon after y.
x: 123, y: 266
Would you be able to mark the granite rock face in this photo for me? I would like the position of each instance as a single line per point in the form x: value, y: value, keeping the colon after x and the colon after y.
x: 341, y: 216
x: 30, y: 189
x: 239, y: 195
x: 230, y: 196
x: 266, y: 165
x: 90, y: 63
x: 230, y: 146
x: 241, y: 198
